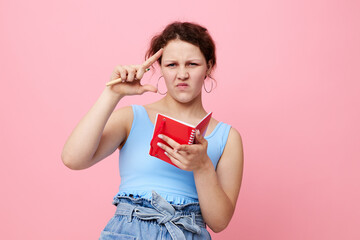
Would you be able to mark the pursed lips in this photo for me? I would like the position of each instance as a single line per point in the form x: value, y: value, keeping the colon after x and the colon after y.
x: 182, y: 85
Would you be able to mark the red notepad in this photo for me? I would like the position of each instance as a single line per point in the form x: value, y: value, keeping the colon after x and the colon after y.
x: 179, y: 131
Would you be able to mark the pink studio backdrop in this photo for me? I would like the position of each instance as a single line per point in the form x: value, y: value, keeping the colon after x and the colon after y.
x: 288, y: 79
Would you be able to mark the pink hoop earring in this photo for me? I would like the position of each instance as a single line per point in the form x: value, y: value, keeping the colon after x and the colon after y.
x: 157, y: 86
x: 212, y: 85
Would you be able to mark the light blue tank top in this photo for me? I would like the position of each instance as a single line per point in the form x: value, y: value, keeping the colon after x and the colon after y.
x: 141, y: 173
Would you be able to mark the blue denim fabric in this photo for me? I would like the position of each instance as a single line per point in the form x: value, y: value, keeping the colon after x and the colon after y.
x: 155, y: 219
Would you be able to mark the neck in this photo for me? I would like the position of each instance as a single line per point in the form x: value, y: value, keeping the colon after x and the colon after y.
x: 191, y: 109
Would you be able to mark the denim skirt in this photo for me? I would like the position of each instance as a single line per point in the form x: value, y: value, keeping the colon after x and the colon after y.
x: 139, y: 218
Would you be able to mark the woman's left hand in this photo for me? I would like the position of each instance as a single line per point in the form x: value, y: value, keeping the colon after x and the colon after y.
x: 187, y: 157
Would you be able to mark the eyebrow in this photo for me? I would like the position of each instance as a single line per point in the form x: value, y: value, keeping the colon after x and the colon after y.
x: 190, y: 60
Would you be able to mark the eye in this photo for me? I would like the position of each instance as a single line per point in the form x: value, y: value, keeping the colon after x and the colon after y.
x: 171, y: 65
x: 193, y: 64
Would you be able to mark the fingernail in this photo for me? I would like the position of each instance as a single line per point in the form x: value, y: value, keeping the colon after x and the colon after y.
x: 160, y: 136
x: 159, y: 144
x: 166, y: 154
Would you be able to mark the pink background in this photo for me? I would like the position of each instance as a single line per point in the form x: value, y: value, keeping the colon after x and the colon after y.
x: 288, y: 79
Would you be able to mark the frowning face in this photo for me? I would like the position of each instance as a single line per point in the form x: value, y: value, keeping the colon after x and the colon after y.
x: 184, y: 68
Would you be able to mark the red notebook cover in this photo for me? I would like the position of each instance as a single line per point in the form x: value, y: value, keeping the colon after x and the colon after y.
x: 179, y: 131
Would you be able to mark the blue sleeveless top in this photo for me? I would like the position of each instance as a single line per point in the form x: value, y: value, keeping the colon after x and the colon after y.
x: 141, y: 173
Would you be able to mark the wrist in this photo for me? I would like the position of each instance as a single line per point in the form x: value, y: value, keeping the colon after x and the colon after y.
x: 112, y: 94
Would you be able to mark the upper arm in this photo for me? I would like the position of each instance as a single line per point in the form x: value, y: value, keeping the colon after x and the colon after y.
x: 115, y: 133
x: 230, y: 167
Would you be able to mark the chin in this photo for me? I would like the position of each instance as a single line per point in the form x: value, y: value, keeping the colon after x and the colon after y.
x: 186, y: 98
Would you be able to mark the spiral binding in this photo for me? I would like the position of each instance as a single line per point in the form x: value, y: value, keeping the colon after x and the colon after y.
x: 192, y: 136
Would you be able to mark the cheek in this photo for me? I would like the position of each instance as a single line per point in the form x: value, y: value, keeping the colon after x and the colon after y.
x: 169, y: 75
x: 200, y: 76
x: 168, y: 78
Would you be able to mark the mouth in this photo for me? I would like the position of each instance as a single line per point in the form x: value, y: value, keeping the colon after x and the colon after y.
x: 182, y: 85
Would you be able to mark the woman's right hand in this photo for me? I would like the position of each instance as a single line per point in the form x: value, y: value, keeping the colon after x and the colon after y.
x: 131, y: 75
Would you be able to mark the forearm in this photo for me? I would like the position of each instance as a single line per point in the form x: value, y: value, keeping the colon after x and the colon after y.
x: 84, y: 140
x: 216, y: 207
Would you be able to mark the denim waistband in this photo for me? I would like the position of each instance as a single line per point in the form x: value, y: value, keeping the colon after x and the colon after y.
x: 188, y: 216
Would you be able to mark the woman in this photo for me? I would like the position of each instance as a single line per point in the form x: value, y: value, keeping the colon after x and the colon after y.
x: 156, y: 199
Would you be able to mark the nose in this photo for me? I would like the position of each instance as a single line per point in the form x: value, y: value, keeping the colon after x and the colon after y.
x: 182, y: 73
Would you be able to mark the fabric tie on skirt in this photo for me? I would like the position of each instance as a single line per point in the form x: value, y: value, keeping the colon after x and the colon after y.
x: 164, y: 213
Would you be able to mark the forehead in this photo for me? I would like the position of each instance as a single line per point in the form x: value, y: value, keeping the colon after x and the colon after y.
x: 178, y: 49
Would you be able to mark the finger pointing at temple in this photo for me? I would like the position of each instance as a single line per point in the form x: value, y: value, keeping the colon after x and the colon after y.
x: 148, y: 63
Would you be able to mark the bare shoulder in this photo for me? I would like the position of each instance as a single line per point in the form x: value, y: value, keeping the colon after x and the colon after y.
x: 124, y: 114
x: 234, y: 138
x: 119, y: 124
x: 233, y: 155
x: 121, y: 118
